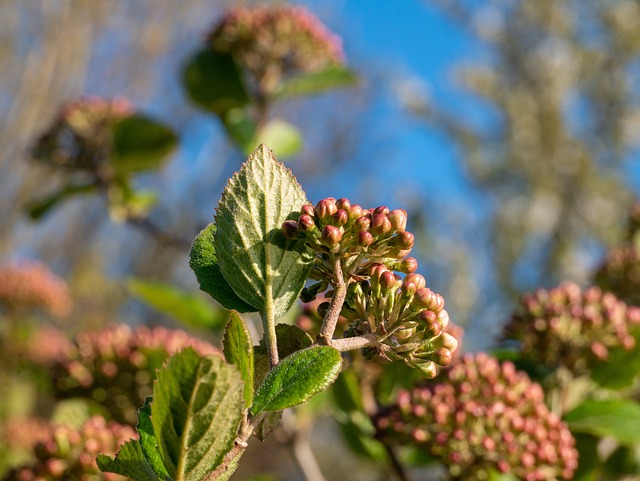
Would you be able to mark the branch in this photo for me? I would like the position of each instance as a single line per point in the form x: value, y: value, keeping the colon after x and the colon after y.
x: 337, y: 300
x: 352, y: 343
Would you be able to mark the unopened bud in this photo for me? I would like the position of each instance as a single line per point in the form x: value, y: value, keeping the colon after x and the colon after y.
x: 325, y: 209
x: 442, y: 356
x: 354, y: 212
x: 376, y: 271
x: 340, y: 218
x: 424, y: 298
x: 402, y: 335
x: 432, y: 326
x: 306, y: 223
x: 363, y: 223
x: 380, y: 224
x: 343, y: 204
x: 383, y: 209
x: 449, y: 342
x: 308, y: 209
x: 331, y: 236
x: 443, y: 318
x: 290, y: 229
x: 389, y: 281
x: 428, y: 368
x: 404, y: 240
x: 408, y: 265
x: 412, y: 283
x: 365, y: 238
x: 398, y: 219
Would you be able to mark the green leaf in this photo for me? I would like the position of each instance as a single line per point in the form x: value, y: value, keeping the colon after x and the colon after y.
x: 76, y: 411
x: 284, y: 138
x: 148, y: 441
x: 238, y: 350
x: 290, y: 339
x: 196, y: 411
x: 184, y: 306
x: 297, y: 378
x: 347, y: 394
x: 263, y: 267
x: 317, y: 82
x: 204, y: 264
x: 141, y: 143
x: 130, y: 462
x: 618, y: 418
x: 38, y: 208
x: 214, y: 82
x: 589, y: 466
x: 620, y: 369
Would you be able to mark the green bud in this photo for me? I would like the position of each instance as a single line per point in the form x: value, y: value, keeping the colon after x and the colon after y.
x: 290, y: 229
x: 428, y: 368
x: 380, y: 224
x: 331, y: 236
x: 404, y: 334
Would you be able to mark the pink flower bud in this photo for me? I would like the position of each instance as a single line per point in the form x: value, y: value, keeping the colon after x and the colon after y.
x: 325, y: 209
x: 306, y: 223
x: 381, y: 210
x: 362, y: 223
x: 412, y: 283
x: 380, y: 224
x: 343, y: 204
x: 365, y: 238
x: 308, y: 210
x: 331, y: 236
x: 354, y: 212
x: 408, y: 265
x: 340, y: 218
x: 404, y: 240
x: 398, y: 219
x: 442, y: 356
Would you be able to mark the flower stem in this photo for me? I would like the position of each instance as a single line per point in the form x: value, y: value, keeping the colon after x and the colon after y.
x: 337, y: 300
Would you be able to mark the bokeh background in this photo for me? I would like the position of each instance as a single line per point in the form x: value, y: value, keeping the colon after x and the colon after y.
x: 509, y: 130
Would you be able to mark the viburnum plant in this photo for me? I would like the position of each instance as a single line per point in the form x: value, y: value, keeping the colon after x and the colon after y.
x: 266, y: 243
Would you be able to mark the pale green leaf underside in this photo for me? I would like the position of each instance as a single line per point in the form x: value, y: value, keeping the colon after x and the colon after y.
x: 297, y: 378
x: 263, y: 267
x: 196, y: 411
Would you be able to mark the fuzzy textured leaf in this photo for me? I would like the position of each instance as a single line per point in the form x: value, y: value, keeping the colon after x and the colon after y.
x: 130, y: 461
x: 238, y: 350
x: 204, y: 264
x: 196, y: 411
x: 263, y: 267
x: 618, y: 418
x: 297, y: 378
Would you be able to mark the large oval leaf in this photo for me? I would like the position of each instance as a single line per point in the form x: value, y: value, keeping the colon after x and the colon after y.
x: 204, y: 263
x: 263, y: 267
x: 196, y: 410
x: 297, y: 378
x: 618, y: 418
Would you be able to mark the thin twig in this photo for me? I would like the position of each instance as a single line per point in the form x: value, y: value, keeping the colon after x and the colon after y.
x: 353, y: 343
x: 397, y: 467
x: 337, y: 300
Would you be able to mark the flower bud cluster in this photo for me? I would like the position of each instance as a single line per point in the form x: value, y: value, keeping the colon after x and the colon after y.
x: 361, y: 237
x: 571, y: 328
x: 483, y: 416
x: 408, y: 317
x: 276, y: 42
x: 117, y: 366
x: 620, y: 272
x: 30, y: 284
x: 69, y: 453
x: 80, y: 137
x: 372, y: 245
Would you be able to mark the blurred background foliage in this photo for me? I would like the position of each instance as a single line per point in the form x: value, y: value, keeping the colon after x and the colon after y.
x: 517, y: 164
